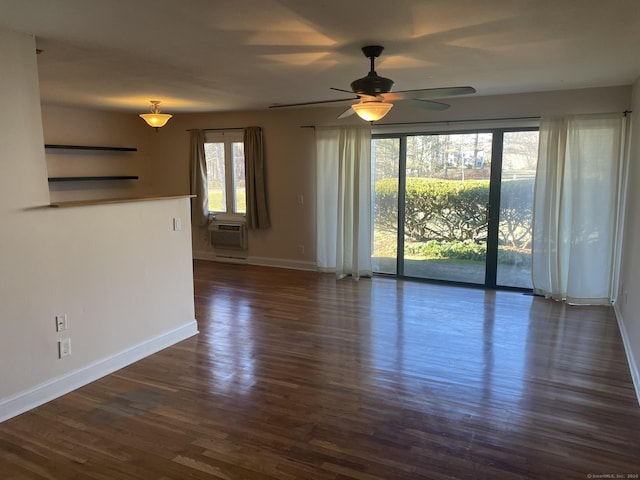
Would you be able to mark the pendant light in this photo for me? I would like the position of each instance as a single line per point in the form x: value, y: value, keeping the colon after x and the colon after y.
x: 373, y: 110
x: 156, y: 119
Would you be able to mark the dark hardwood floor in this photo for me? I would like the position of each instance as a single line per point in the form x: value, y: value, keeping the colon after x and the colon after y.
x: 298, y: 376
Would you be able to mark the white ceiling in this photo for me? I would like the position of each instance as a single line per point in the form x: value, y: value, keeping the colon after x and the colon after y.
x: 210, y: 55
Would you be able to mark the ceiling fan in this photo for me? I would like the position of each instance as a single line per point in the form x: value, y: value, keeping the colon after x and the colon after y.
x: 375, y: 95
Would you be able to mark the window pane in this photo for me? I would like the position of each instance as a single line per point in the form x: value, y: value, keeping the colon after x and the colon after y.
x: 214, y: 153
x: 239, y: 191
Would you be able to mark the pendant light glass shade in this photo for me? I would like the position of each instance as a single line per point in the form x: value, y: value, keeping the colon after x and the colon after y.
x: 372, y: 111
x: 155, y: 118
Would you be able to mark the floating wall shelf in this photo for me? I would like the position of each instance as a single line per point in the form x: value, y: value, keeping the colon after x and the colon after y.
x: 88, y: 147
x: 89, y: 179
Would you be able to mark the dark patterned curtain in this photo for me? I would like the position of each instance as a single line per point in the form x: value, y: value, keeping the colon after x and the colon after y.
x: 198, y: 180
x: 257, y: 208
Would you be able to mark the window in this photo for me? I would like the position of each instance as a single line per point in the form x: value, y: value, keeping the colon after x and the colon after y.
x: 224, y: 151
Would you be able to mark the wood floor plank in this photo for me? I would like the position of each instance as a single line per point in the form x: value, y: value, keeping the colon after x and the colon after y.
x: 296, y: 375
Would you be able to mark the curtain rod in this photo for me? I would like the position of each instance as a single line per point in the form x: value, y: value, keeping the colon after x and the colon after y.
x: 625, y: 113
x: 214, y: 129
x: 443, y: 121
x: 446, y: 122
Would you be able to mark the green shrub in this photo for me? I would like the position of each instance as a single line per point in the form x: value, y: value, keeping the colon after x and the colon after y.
x: 516, y: 213
x: 446, y: 209
x: 510, y: 256
x: 386, y: 204
x: 465, y: 250
x: 453, y: 210
x: 435, y: 209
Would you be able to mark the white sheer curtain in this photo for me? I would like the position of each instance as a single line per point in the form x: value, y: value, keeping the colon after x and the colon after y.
x: 576, y: 207
x: 344, y: 200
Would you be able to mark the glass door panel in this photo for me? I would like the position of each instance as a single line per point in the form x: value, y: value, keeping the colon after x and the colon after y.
x: 446, y: 201
x: 519, y: 160
x: 385, y: 158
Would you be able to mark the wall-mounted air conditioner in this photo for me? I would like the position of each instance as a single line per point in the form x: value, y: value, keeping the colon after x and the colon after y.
x: 228, y: 235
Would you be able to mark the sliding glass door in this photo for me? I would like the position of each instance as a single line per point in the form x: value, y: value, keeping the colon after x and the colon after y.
x: 518, y: 172
x: 455, y: 206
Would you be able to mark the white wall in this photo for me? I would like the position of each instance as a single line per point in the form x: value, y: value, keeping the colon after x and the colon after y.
x: 75, y: 126
x: 119, y: 272
x: 628, y: 307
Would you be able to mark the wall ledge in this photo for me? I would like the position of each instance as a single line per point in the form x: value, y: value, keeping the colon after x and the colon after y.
x: 110, y: 201
x: 50, y: 390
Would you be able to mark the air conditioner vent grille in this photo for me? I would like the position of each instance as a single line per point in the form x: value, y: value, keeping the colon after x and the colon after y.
x: 228, y: 235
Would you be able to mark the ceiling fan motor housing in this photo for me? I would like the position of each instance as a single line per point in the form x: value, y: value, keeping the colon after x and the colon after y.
x: 372, y: 85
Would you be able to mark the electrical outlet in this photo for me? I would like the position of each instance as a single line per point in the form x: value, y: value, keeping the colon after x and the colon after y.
x: 177, y: 224
x: 64, y: 348
x: 61, y: 323
x: 301, y: 249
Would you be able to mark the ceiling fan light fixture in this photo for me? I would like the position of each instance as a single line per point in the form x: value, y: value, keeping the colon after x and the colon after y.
x: 372, y: 111
x: 375, y: 94
x: 155, y: 119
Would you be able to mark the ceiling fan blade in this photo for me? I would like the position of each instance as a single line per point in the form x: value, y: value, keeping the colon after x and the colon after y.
x: 428, y: 93
x: 361, y: 96
x: 426, y: 104
x: 319, y: 102
x: 347, y: 113
x: 341, y: 90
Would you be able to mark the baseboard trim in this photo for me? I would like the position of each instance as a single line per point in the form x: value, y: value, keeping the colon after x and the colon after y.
x: 52, y: 389
x: 204, y: 255
x: 260, y: 261
x: 225, y: 259
x: 283, y: 263
x: 633, y: 366
x: 220, y: 257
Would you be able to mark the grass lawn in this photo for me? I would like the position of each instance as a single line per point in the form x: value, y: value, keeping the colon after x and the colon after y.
x: 385, y: 246
x: 216, y: 200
